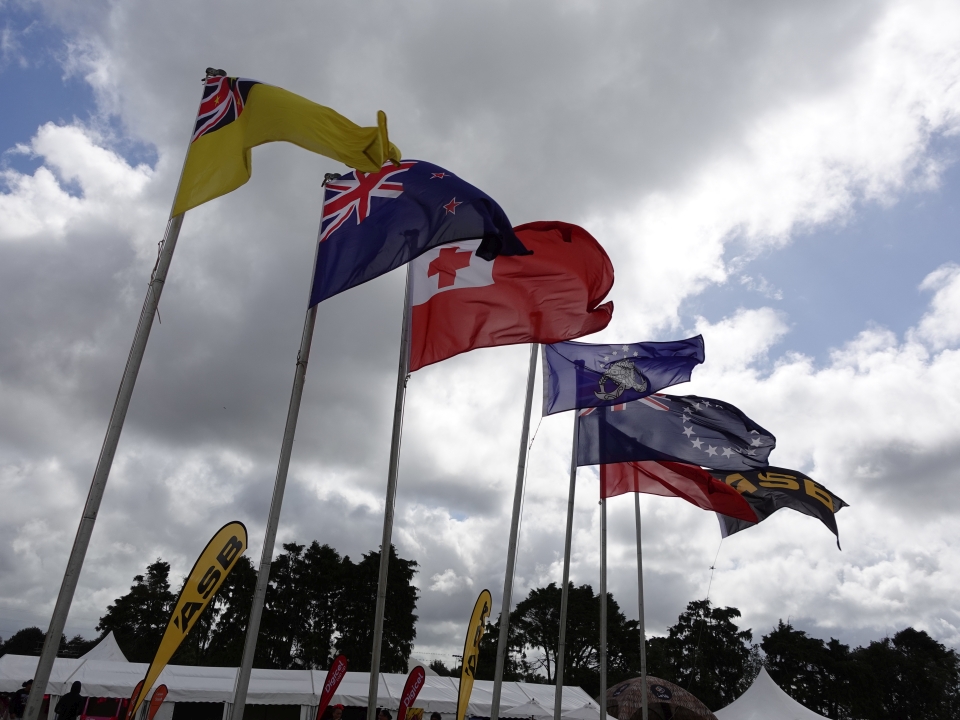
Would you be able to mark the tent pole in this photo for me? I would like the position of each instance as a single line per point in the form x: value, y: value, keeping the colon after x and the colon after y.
x: 643, y: 630
x: 564, y: 592
x: 502, y: 640
x: 403, y: 374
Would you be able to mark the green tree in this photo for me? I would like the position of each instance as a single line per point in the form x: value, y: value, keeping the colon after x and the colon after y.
x: 537, y: 620
x: 908, y: 677
x: 139, y: 618
x: 706, y: 653
x: 232, y: 609
x: 29, y: 641
x: 357, y: 604
x: 812, y: 672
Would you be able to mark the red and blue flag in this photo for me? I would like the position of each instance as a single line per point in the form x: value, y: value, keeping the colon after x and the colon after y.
x: 375, y: 222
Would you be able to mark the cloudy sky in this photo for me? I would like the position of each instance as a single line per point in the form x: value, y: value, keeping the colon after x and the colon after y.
x: 779, y: 176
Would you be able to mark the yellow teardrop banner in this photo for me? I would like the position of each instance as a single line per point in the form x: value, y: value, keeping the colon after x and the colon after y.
x: 471, y: 650
x: 216, y: 561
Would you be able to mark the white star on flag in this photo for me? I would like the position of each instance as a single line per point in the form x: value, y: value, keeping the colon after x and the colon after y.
x: 727, y: 452
x: 696, y: 442
x: 711, y: 450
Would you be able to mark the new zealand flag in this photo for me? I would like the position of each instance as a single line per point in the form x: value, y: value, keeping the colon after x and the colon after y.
x: 689, y: 429
x: 375, y: 222
x: 582, y: 375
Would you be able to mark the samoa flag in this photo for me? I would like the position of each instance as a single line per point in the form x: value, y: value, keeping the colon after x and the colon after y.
x: 582, y: 375
x: 375, y: 222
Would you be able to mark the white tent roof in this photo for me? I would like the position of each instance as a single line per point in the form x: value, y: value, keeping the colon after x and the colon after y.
x: 187, y: 683
x: 531, y: 709
x: 764, y: 700
x: 107, y: 649
x: 590, y: 711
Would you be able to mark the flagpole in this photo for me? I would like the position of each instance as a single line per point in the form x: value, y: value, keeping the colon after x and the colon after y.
x: 403, y: 374
x: 276, y: 501
x: 502, y: 641
x: 564, y: 593
x: 71, y: 576
x: 603, y: 608
x: 643, y: 631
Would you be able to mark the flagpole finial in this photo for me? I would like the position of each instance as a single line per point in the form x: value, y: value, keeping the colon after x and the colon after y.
x: 214, y: 72
x: 330, y: 176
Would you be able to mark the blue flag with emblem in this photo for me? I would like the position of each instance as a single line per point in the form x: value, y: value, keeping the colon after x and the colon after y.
x: 689, y: 429
x: 581, y: 375
x: 375, y: 222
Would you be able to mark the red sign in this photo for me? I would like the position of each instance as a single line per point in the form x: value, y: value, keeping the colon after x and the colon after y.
x: 136, y: 694
x: 338, y: 668
x: 159, y: 695
x: 415, y: 681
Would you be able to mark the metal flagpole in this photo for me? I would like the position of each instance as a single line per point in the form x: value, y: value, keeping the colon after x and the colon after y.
x: 403, y: 374
x: 108, y: 450
x: 643, y: 631
x: 603, y: 608
x: 279, y: 485
x: 564, y: 593
x: 512, y: 544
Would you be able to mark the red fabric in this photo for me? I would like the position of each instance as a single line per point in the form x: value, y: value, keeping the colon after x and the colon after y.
x: 674, y: 479
x: 547, y: 297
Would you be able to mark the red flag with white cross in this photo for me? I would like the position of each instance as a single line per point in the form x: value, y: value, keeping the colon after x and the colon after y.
x: 461, y: 302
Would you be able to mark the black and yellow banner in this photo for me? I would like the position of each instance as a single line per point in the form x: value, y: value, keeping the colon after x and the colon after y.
x: 216, y: 561
x: 772, y: 488
x: 237, y: 114
x: 471, y: 650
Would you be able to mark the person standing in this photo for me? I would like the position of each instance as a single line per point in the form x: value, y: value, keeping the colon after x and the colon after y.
x: 70, y: 705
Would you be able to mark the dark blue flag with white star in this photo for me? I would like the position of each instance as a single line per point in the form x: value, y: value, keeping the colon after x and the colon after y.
x: 581, y: 375
x: 690, y: 429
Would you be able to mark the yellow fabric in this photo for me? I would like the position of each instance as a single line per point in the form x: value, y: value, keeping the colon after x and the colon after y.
x: 471, y: 650
x: 216, y: 561
x: 219, y: 162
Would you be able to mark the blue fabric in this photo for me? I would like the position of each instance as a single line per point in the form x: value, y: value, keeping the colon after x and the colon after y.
x: 581, y: 375
x: 373, y: 223
x: 690, y: 429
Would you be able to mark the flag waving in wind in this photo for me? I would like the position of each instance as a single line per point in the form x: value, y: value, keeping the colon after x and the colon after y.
x: 375, y: 222
x: 237, y: 114
x: 690, y: 429
x: 581, y: 375
x: 462, y: 302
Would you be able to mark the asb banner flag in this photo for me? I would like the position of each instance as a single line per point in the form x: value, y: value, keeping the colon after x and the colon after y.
x: 471, y: 650
x: 336, y: 673
x: 237, y: 114
x: 671, y: 479
x: 690, y: 429
x: 581, y: 375
x: 216, y: 561
x: 375, y: 222
x: 461, y: 302
x: 773, y: 488
x: 411, y: 689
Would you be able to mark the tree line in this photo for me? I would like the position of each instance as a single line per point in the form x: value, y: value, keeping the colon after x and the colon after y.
x: 320, y: 604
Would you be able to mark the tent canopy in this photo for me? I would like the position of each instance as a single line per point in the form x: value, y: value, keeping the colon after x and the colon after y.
x: 764, y: 700
x: 187, y: 683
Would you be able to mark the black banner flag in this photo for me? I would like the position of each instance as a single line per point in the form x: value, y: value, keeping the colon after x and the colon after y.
x: 769, y: 489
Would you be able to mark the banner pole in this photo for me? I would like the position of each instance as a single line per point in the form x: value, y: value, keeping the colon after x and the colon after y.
x: 643, y: 630
x: 276, y: 501
x: 502, y: 641
x: 603, y: 608
x: 565, y: 593
x: 403, y: 374
x: 71, y: 576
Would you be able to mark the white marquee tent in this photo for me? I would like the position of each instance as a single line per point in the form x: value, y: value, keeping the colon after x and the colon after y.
x: 104, y: 672
x: 764, y: 700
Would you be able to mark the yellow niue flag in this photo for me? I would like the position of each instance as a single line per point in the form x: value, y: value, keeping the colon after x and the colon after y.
x: 237, y: 114
x: 216, y: 561
x: 471, y: 650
